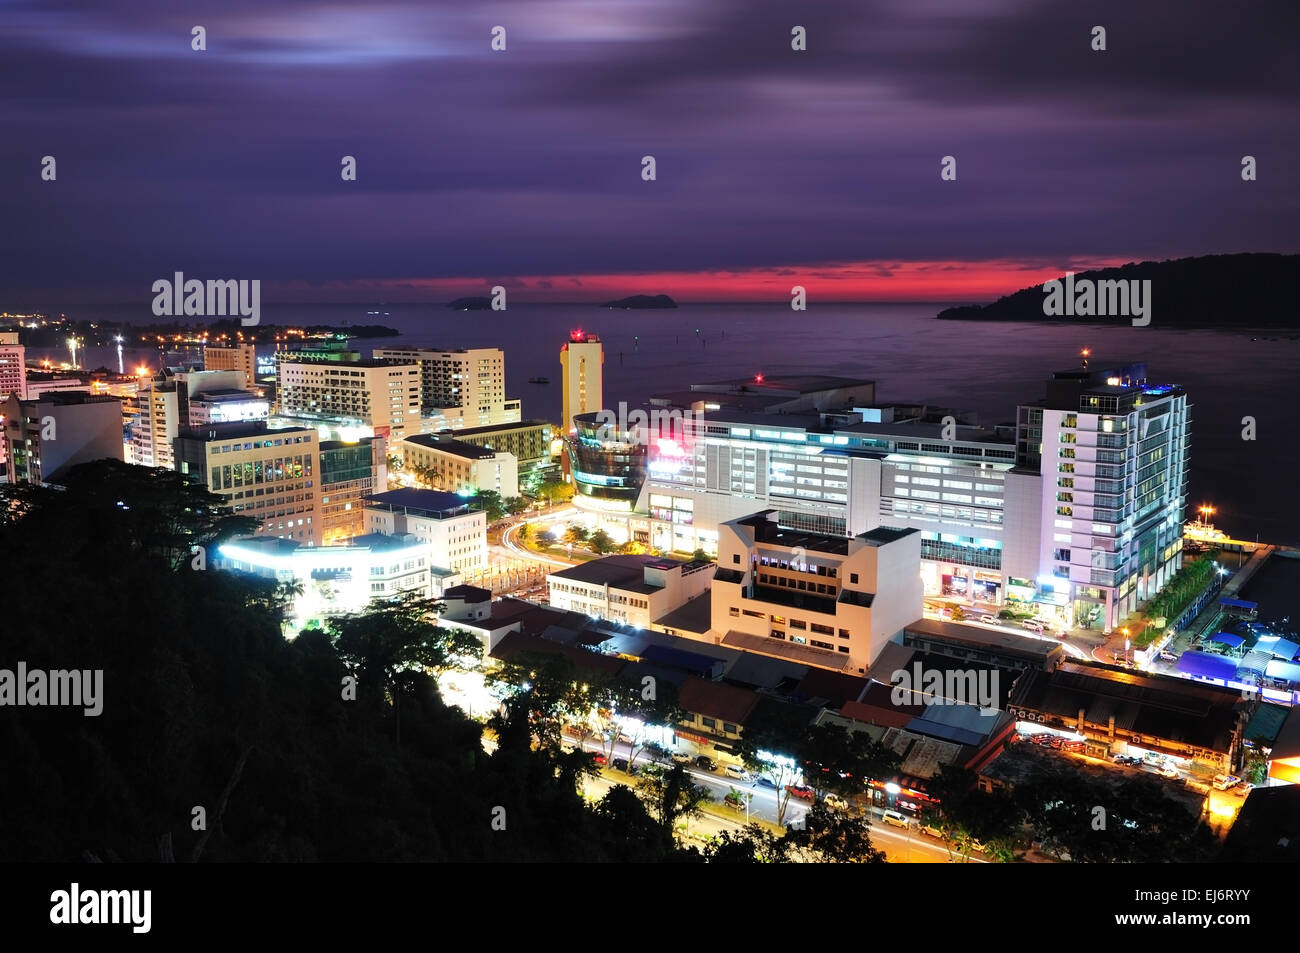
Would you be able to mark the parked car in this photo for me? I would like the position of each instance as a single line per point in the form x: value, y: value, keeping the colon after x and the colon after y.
x: 736, y: 771
x: 600, y: 758
x: 705, y: 763
x: 1167, y: 771
x: 680, y: 758
x: 1242, y: 789
x: 1223, y: 782
x: 932, y: 831
x: 895, y: 819
x: 1167, y: 656
x: 1073, y: 746
x: 836, y: 802
x: 734, y: 800
x: 990, y: 620
x: 803, y: 793
x: 1033, y: 625
x: 622, y: 765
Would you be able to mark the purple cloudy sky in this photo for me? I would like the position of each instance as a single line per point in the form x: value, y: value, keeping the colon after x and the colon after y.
x: 523, y: 167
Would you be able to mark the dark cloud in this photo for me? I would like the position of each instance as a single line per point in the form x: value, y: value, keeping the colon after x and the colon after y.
x: 527, y: 162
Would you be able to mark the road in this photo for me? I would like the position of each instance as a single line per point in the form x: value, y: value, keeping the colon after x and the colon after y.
x: 911, y: 846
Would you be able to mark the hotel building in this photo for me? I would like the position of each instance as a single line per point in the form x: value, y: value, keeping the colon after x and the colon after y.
x: 1112, y: 450
x: 458, y: 467
x: 238, y: 357
x: 349, y: 472
x: 377, y: 398
x: 466, y: 387
x: 48, y: 435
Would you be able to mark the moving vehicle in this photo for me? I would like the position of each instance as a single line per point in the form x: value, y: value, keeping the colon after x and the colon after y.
x: 990, y: 620
x: 1167, y: 771
x: 736, y: 771
x: 1167, y: 656
x: 895, y: 819
x: 763, y: 781
x: 1033, y: 625
x: 803, y: 793
x: 1223, y: 782
x: 836, y: 802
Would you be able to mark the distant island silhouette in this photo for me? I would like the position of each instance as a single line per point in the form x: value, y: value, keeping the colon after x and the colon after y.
x: 1250, y: 290
x: 639, y: 302
x: 478, y: 303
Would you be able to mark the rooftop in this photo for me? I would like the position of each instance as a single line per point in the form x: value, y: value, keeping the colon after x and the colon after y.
x: 716, y: 700
x: 983, y: 637
x: 435, y: 503
x: 618, y: 572
x: 449, y: 445
x: 884, y: 535
x: 468, y: 594
x: 496, y: 428
x: 693, y: 616
x: 237, y: 430
x: 1154, y: 706
x: 768, y: 532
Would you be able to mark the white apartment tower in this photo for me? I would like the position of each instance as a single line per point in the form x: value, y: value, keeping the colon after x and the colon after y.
x: 1113, y: 453
x: 471, y: 380
x: 375, y: 394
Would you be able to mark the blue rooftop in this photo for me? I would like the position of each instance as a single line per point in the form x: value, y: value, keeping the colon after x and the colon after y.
x: 1206, y: 665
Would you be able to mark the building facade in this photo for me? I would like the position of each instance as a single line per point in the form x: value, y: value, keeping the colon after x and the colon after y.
x: 456, y: 530
x: 635, y: 590
x: 816, y: 598
x: 582, y: 365
x: 47, y: 436
x: 470, y: 380
x: 458, y: 467
x: 1112, y: 450
x: 269, y: 475
x: 380, y: 397
x: 349, y: 473
x: 237, y: 357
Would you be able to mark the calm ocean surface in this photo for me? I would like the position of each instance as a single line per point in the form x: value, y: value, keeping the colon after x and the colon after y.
x: 987, y: 367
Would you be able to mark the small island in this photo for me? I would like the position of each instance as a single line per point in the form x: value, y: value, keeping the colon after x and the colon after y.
x: 641, y: 302
x: 479, y: 303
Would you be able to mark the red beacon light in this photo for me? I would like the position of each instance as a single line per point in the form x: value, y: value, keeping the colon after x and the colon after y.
x: 758, y: 378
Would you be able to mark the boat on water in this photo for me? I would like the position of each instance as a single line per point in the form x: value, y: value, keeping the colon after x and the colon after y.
x: 539, y: 380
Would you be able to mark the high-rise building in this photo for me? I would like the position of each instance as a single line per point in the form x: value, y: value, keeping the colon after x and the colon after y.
x: 270, y: 475
x: 13, y: 369
x: 238, y: 357
x: 1112, y: 451
x: 467, y: 386
x: 48, y: 435
x: 582, y: 376
x: 349, y: 472
x: 373, y: 395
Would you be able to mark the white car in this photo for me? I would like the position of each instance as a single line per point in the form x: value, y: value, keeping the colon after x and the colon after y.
x: 1167, y: 771
x: 1033, y: 625
x: 990, y: 620
x: 1167, y: 656
x: 1223, y: 782
x: 895, y: 819
x: 836, y: 802
x: 737, y: 771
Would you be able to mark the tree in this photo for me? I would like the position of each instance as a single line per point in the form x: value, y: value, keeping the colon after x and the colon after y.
x: 600, y: 542
x: 671, y: 796
x: 958, y: 614
x: 514, y: 505
x: 753, y: 844
x: 550, y: 690
x: 388, y: 638
x: 555, y: 491
x: 771, y: 736
x: 700, y: 556
x: 575, y: 534
x: 836, y: 836
x: 632, y: 548
x: 489, y: 501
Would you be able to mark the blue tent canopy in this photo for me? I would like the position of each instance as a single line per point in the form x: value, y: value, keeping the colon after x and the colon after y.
x: 1239, y: 604
x: 1205, y: 665
x: 1226, y: 638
